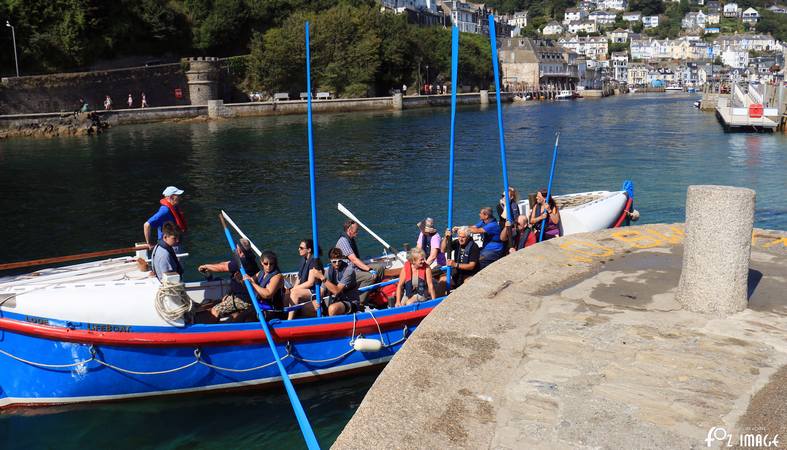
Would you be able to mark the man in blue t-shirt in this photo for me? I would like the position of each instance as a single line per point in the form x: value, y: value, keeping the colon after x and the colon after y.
x: 493, y: 247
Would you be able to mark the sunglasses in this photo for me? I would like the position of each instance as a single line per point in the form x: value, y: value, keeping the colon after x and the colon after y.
x: 301, y: 248
x: 266, y: 263
x: 336, y: 261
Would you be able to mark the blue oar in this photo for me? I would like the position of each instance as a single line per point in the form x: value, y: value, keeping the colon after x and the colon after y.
x: 493, y: 42
x: 549, y: 187
x: 454, y: 82
x: 315, y: 244
x: 300, y: 414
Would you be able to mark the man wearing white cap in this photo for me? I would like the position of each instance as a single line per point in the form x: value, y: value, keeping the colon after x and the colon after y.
x: 167, y: 212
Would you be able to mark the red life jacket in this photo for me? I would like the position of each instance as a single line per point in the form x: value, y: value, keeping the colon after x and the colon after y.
x: 180, y: 221
x: 420, y: 287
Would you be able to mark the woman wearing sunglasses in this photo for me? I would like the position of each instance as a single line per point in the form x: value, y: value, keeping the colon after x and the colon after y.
x: 268, y: 284
x: 301, y: 292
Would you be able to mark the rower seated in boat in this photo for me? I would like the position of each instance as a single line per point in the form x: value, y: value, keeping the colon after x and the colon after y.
x: 543, y: 210
x: 429, y: 242
x: 301, y: 291
x: 517, y: 235
x: 339, y: 282
x: 463, y: 256
x: 489, y: 228
x: 415, y: 280
x: 163, y: 259
x: 268, y: 284
x: 365, y: 274
x: 237, y: 297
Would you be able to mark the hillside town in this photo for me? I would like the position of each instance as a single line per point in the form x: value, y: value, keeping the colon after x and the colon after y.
x: 602, y: 42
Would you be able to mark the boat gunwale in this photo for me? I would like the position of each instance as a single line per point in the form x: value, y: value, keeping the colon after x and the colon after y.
x: 218, y: 334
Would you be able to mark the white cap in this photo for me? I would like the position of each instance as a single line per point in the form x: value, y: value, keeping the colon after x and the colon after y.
x: 171, y: 190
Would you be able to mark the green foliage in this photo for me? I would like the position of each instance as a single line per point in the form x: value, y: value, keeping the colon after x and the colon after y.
x: 618, y: 47
x: 647, y: 7
x: 358, y: 51
x: 636, y: 27
x: 775, y: 24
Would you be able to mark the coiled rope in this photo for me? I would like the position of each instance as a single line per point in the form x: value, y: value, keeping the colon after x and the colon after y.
x: 172, y: 292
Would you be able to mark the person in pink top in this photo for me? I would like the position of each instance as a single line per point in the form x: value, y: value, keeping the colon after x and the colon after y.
x: 429, y: 241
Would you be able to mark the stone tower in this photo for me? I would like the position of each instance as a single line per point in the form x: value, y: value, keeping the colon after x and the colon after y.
x: 203, y: 79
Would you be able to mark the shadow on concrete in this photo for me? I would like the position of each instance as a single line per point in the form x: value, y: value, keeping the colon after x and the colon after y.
x: 754, y: 280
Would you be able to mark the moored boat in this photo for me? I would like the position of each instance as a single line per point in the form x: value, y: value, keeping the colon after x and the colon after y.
x: 92, y: 331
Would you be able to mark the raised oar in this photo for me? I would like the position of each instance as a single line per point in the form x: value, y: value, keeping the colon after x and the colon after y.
x: 454, y: 82
x: 77, y: 257
x: 240, y: 232
x: 313, y: 195
x: 549, y: 187
x: 493, y: 42
x: 385, y: 245
x: 300, y: 414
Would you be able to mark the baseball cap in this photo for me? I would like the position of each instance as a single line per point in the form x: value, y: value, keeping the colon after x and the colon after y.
x: 171, y: 190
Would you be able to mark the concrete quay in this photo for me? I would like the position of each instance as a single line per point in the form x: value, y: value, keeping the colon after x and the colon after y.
x: 579, y: 342
x: 15, y: 125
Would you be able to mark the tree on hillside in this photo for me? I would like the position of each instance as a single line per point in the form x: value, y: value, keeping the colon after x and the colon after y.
x: 647, y: 7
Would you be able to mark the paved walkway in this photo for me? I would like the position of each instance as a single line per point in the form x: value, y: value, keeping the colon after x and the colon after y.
x: 579, y: 343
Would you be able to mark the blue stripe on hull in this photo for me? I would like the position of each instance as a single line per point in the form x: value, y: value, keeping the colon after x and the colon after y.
x: 24, y: 383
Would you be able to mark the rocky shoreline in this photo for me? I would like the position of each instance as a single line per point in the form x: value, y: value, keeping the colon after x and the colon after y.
x: 80, y: 124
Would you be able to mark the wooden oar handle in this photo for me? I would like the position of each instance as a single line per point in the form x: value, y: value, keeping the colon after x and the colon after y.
x: 59, y: 259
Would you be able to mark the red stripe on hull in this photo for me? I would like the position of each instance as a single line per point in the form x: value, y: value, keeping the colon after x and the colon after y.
x: 623, y: 214
x: 212, y: 338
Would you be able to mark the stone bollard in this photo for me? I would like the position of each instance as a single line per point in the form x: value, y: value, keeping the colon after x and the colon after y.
x: 215, y: 109
x: 397, y: 102
x: 717, y: 248
x: 484, y: 97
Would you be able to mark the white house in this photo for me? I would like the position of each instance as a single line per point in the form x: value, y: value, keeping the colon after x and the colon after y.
x: 620, y: 62
x: 574, y: 15
x: 731, y: 10
x: 614, y: 5
x: 650, y: 21
x: 750, y: 16
x: 591, y: 47
x: 552, y: 29
x: 618, y: 36
x: 735, y: 57
x: 712, y: 18
x: 693, y: 20
x: 777, y: 9
x: 585, y: 26
x: 602, y: 17
x: 638, y: 74
x: 519, y: 19
x: 633, y: 16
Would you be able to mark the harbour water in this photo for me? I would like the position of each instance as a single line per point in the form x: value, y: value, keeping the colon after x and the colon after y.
x: 74, y: 195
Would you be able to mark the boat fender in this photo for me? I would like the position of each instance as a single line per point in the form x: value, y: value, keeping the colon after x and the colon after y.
x: 367, y: 345
x: 634, y: 215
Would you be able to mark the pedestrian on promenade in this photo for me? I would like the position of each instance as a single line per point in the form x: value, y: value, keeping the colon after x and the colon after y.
x: 404, y: 89
x: 107, y: 103
x: 144, y: 101
x: 130, y: 100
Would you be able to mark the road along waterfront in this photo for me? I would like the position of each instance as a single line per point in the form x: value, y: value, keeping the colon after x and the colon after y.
x: 70, y: 195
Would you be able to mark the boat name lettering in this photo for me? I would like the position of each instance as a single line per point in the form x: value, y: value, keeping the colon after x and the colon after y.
x: 109, y: 328
x: 36, y: 320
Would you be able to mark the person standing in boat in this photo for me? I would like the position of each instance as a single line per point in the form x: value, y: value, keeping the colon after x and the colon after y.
x: 365, y: 274
x: 237, y: 299
x: 340, y: 282
x: 169, y: 211
x: 463, y: 256
x: 429, y: 242
x: 415, y: 280
x: 163, y: 259
x: 493, y: 247
x: 541, y: 211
